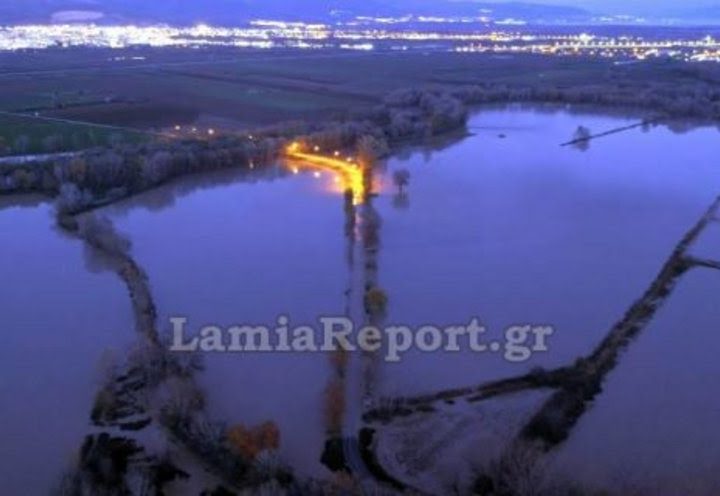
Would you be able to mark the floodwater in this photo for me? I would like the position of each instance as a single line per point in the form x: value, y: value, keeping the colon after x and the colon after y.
x: 655, y: 429
x: 61, y: 325
x: 522, y: 231
x: 244, y: 252
x: 511, y: 229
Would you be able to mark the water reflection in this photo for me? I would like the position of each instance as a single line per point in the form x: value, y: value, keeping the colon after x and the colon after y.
x: 22, y: 201
x: 166, y: 196
x: 346, y: 173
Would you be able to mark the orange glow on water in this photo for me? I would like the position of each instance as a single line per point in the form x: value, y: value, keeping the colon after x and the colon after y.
x: 346, y: 175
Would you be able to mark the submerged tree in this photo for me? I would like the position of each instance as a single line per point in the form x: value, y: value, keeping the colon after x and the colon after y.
x: 401, y: 178
x: 401, y: 201
x: 251, y: 442
x: 335, y: 405
x: 376, y: 301
x: 581, y: 138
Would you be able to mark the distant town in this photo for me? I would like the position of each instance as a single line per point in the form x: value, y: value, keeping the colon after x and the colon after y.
x: 389, y: 34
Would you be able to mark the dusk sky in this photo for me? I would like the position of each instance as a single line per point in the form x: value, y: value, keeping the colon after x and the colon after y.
x: 645, y: 7
x: 235, y: 12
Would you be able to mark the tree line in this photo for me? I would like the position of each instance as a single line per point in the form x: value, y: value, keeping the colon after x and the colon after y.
x: 102, y: 175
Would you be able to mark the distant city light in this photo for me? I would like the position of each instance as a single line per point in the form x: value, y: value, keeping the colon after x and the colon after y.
x: 367, y: 33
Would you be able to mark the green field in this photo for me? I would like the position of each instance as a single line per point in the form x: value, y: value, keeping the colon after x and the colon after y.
x: 26, y: 135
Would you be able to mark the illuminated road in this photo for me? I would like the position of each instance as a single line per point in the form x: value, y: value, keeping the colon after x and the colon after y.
x: 348, y: 173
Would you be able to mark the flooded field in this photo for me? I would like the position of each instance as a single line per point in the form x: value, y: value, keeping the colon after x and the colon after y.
x: 655, y: 427
x: 63, y: 323
x: 505, y: 225
x: 517, y: 229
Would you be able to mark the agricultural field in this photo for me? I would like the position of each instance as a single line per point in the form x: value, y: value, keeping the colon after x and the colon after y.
x: 226, y: 89
x: 21, y: 135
